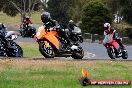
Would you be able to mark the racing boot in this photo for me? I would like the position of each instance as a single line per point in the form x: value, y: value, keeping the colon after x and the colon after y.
x: 120, y: 43
x: 73, y: 47
x: 119, y: 52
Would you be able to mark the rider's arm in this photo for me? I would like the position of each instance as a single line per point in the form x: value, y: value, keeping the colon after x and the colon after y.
x: 30, y: 22
x: 56, y: 25
x: 106, y: 32
x: 115, y: 34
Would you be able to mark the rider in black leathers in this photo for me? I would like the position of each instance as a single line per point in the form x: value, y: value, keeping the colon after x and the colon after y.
x: 46, y: 18
x: 3, y: 30
x: 71, y: 25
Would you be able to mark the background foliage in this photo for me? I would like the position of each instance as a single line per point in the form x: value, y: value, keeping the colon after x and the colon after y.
x: 95, y: 15
x: 88, y: 14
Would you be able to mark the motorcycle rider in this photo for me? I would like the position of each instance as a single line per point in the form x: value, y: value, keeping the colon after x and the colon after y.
x: 46, y: 18
x: 71, y: 25
x: 26, y: 22
x: 3, y: 30
x: 112, y: 33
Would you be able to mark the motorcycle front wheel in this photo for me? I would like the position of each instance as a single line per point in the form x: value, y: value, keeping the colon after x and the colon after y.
x: 47, y: 52
x: 111, y: 53
x: 15, y: 51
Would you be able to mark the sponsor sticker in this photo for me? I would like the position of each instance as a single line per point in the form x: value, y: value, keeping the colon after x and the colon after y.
x: 85, y: 81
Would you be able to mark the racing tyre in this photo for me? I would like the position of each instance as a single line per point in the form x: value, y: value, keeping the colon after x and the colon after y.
x: 16, y: 51
x: 111, y: 53
x: 47, y: 52
x: 124, y: 54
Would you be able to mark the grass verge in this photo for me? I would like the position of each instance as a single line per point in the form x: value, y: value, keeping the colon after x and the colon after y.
x: 30, y: 50
x: 59, y: 73
x: 27, y: 73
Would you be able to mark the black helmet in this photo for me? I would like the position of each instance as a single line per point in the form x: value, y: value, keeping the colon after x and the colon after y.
x: 2, y: 25
x: 71, y: 24
x: 45, y: 16
x: 2, y: 29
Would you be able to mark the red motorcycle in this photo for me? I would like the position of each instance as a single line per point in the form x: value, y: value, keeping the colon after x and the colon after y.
x: 112, y: 50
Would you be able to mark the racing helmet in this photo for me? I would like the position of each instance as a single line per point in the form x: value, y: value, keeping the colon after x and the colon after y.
x: 107, y: 26
x: 2, y: 26
x: 45, y: 16
x: 27, y: 18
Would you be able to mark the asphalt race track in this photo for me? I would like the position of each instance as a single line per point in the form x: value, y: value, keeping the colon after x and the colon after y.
x: 92, y: 50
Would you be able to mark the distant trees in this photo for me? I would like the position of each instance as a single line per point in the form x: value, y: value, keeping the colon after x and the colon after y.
x: 127, y: 10
x: 95, y: 15
x: 44, y: 4
x: 13, y: 7
x: 91, y: 11
x: 59, y: 10
x: 124, y: 7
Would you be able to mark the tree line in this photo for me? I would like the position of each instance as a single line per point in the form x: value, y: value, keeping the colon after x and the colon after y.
x: 88, y: 14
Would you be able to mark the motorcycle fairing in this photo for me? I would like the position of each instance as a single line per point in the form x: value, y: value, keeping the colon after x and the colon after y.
x: 46, y: 43
x: 41, y: 33
x: 50, y: 36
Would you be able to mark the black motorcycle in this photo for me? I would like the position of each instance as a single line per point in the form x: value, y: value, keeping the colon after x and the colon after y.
x: 8, y: 47
x: 76, y: 35
x: 27, y: 31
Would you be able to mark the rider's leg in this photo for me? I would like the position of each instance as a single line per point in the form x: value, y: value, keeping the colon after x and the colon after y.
x: 62, y: 40
x: 119, y: 42
x: 116, y: 45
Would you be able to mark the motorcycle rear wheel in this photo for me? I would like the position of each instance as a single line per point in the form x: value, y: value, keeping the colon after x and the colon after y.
x: 17, y: 52
x: 124, y: 54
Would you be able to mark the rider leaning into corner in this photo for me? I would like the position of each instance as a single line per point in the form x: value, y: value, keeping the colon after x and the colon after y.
x: 110, y: 37
x: 3, y: 30
x: 46, y: 18
x: 4, y: 33
x: 26, y: 21
x: 71, y: 25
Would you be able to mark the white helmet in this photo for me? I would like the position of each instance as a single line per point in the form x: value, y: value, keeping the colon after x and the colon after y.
x: 107, y: 26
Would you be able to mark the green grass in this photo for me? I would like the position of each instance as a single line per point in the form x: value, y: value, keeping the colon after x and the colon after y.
x: 60, y: 74
x: 14, y: 22
x: 30, y: 50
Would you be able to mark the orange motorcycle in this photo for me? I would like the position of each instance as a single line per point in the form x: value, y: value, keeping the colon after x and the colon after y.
x: 51, y: 45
